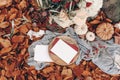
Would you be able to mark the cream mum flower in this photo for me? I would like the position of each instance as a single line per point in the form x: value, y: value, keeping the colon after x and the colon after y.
x: 81, y: 30
x: 93, y: 9
x: 80, y: 17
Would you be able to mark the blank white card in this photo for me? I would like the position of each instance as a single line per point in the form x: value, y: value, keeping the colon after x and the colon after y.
x: 64, y: 51
x: 41, y: 53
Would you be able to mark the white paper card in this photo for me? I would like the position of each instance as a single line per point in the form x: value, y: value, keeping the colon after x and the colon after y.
x: 41, y: 53
x: 64, y: 51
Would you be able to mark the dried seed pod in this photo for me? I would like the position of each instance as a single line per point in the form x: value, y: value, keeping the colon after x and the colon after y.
x: 105, y: 31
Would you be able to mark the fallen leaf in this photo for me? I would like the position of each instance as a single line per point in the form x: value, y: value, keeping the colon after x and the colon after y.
x: 12, y: 16
x: 95, y: 22
x: 12, y: 13
x: 22, y: 5
x: 23, y: 29
x: 66, y: 72
x: 4, y: 24
x: 3, y: 78
x: 86, y: 73
x: 2, y: 17
x: 48, y: 70
x: 5, y: 42
x: 5, y: 50
x: 5, y: 3
x: 78, y: 71
x: 18, y: 39
x: 108, y: 20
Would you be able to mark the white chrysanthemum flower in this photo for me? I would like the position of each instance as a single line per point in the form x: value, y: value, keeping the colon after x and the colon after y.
x: 81, y: 30
x: 80, y: 17
x: 93, y: 9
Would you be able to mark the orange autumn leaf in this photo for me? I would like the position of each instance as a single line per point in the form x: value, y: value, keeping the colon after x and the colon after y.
x: 23, y: 29
x: 4, y: 24
x: 18, y: 39
x: 5, y: 50
x: 5, y: 3
x: 5, y: 42
x: 2, y: 17
x: 48, y: 70
x: 22, y: 5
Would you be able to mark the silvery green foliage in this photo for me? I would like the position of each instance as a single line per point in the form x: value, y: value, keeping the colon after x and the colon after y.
x: 104, y: 58
x: 112, y: 9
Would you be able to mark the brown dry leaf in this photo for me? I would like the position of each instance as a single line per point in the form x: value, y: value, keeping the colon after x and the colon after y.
x: 86, y: 73
x: 4, y: 24
x: 23, y: 51
x: 15, y: 45
x: 9, y: 69
x: 72, y: 66
x: 78, y: 71
x: 12, y: 13
x: 92, y: 65
x: 23, y: 29
x: 98, y: 17
x: 29, y: 25
x: 34, y: 3
x: 34, y: 72
x: 52, y: 77
x: 17, y: 21
x: 48, y: 70
x: 16, y: 72
x: 5, y: 3
x: 58, y: 76
x: 3, y: 78
x: 5, y: 50
x: 115, y: 78
x: 2, y: 33
x: 22, y: 5
x: 5, y: 42
x: 18, y: 39
x: 89, y: 78
x: 13, y: 16
x: 95, y: 22
x: 3, y: 72
x: 117, y: 39
x: 19, y: 77
x: 30, y: 78
x: 108, y: 20
x: 66, y: 72
x: 26, y: 43
x: 2, y: 17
